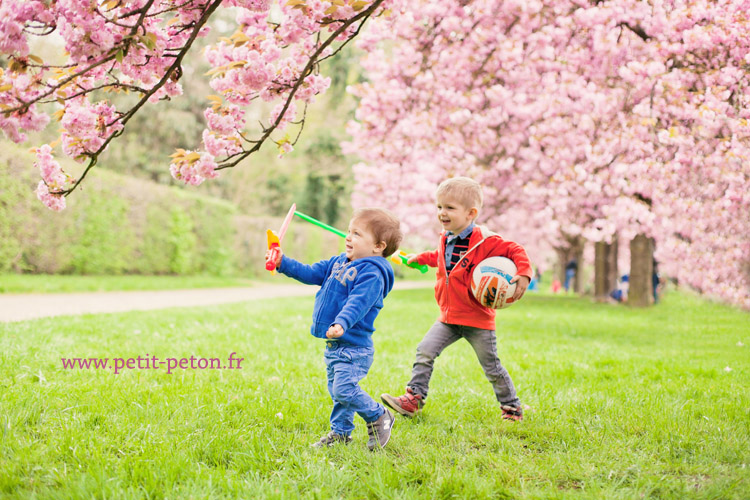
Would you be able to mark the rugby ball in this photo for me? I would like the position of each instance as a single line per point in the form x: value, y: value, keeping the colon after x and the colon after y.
x: 490, y: 282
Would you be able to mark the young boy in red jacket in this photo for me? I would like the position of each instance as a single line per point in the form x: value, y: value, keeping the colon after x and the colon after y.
x: 462, y: 246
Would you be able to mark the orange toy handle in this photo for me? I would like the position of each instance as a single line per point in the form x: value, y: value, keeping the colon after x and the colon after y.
x: 274, y: 245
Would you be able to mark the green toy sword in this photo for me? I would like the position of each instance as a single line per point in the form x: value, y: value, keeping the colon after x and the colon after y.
x: 399, y: 257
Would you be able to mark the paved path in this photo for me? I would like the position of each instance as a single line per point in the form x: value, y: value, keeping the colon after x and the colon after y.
x: 39, y: 305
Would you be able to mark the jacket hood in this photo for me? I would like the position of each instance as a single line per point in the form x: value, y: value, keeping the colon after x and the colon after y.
x: 383, y: 266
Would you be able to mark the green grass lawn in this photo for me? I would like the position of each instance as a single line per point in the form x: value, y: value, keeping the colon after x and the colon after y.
x: 55, y: 283
x: 623, y: 404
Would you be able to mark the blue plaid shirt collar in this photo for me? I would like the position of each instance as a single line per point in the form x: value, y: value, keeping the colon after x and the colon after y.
x: 450, y: 237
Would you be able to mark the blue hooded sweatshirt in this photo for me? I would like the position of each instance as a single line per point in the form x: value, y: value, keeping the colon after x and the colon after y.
x: 351, y: 294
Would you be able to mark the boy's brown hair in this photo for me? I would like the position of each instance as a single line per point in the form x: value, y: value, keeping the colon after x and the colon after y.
x: 383, y: 225
x: 466, y: 191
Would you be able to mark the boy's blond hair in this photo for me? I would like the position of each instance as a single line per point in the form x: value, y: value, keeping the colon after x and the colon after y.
x: 383, y: 225
x: 466, y: 191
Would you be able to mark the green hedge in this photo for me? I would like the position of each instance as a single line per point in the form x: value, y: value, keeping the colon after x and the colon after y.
x: 122, y: 225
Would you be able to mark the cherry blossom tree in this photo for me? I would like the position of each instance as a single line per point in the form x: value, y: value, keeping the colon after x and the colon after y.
x: 592, y: 118
x: 137, y: 46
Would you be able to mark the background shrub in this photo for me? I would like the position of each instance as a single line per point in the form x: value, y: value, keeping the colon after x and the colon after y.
x: 120, y: 224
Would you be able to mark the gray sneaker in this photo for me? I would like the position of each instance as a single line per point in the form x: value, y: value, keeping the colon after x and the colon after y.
x: 332, y: 439
x: 380, y: 430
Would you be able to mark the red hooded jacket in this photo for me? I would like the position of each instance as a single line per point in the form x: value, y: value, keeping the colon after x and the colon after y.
x: 453, y: 293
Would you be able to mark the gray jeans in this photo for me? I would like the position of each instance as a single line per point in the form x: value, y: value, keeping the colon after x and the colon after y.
x: 440, y: 336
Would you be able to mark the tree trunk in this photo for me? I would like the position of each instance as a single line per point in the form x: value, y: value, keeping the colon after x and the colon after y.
x: 605, y: 269
x: 612, y: 258
x: 562, y: 259
x: 640, y: 293
x: 602, y: 286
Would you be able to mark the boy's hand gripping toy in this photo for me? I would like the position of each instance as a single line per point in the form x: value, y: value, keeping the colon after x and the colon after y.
x: 398, y: 257
x: 274, y: 240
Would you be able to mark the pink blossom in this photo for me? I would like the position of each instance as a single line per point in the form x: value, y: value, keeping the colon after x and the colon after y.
x: 285, y: 147
x: 254, y: 5
x: 86, y: 126
x: 225, y: 120
x: 54, y: 202
x: 52, y: 173
x: 221, y: 145
x: 13, y: 17
x: 194, y: 172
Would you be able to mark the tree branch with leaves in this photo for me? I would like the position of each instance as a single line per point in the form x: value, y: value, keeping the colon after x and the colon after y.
x: 137, y: 47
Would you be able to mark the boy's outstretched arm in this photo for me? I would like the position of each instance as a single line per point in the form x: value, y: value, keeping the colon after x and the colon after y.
x: 427, y: 258
x: 315, y: 274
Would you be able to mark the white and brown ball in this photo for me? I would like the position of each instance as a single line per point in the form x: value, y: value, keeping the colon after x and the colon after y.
x: 490, y: 282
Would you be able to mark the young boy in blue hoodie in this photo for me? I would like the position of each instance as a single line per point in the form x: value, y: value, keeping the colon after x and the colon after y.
x: 353, y: 286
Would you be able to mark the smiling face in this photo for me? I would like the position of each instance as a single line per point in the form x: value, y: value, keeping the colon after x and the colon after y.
x: 454, y: 216
x: 360, y: 242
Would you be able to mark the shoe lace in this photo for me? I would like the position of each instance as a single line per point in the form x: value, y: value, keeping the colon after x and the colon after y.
x: 330, y: 437
x: 372, y: 430
x: 410, y: 398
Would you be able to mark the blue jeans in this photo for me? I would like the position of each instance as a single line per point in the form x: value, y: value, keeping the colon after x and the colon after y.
x: 569, y: 275
x: 346, y: 366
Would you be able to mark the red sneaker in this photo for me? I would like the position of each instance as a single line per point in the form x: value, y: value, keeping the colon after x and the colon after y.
x: 407, y: 405
x: 512, y: 412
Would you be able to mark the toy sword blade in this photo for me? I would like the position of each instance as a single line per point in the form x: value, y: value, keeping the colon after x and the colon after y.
x: 274, y: 240
x: 287, y: 220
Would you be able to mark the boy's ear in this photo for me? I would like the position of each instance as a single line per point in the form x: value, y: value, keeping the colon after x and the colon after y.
x: 473, y: 213
x: 380, y: 246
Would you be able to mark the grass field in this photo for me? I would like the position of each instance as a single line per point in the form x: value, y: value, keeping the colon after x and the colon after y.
x: 623, y: 404
x: 55, y: 283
